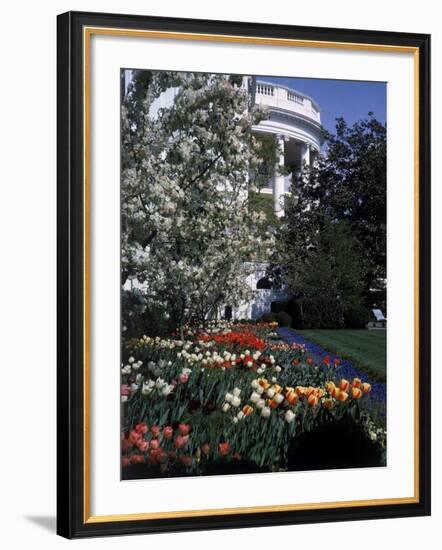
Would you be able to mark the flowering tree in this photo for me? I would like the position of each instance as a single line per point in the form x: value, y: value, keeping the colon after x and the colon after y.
x: 188, y: 236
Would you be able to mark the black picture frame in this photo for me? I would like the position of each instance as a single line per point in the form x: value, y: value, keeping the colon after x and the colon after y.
x: 71, y: 498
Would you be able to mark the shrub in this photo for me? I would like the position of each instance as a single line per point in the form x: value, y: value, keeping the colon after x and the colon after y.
x: 283, y: 319
x: 322, y: 312
x: 356, y: 316
x: 268, y: 318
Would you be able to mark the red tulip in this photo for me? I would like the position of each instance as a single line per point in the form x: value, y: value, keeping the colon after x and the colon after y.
x: 224, y: 448
x: 327, y: 360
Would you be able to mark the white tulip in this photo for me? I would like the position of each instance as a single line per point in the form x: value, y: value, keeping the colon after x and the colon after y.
x: 255, y: 384
x: 260, y: 404
x: 226, y: 407
x: 279, y: 398
x: 240, y: 415
x: 278, y: 368
x: 228, y: 397
x: 236, y: 391
x: 254, y: 398
x: 266, y: 412
x: 131, y: 360
x: 270, y: 393
x: 236, y: 401
x: 289, y: 416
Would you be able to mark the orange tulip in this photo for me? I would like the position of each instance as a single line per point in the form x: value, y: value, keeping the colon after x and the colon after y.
x: 330, y: 386
x: 291, y: 397
x: 366, y: 387
x: 273, y: 404
x: 342, y: 396
x: 328, y: 403
x: 276, y: 388
x: 247, y: 410
x: 356, y: 393
x: 335, y: 392
x: 343, y: 384
x: 263, y: 383
x: 309, y: 391
x: 300, y: 390
x: 356, y: 383
x: 312, y: 400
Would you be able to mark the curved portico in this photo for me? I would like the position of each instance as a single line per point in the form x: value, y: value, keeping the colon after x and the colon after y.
x: 294, y: 120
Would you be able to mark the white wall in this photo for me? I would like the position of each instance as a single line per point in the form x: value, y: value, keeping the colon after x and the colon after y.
x: 27, y: 229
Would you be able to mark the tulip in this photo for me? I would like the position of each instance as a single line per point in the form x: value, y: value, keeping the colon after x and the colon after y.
x: 265, y: 413
x: 263, y: 383
x: 356, y: 382
x: 255, y: 397
x: 342, y: 396
x: 154, y: 444
x: 289, y: 416
x: 167, y: 432
x: 309, y: 391
x: 184, y: 429
x: 186, y: 460
x: 327, y: 360
x: 225, y: 407
x: 247, y: 410
x: 228, y: 397
x: 156, y: 430
x: 143, y: 445
x: 183, y: 378
x: 328, y: 403
x: 330, y: 386
x: 336, y: 362
x: 366, y: 387
x: 181, y: 441
x: 236, y: 401
x: 134, y: 436
x: 312, y: 400
x: 141, y: 428
x: 260, y: 404
x: 279, y: 398
x: 356, y: 393
x: 224, y: 448
x: 343, y: 384
x: 272, y: 403
x: 292, y: 397
x: 309, y: 361
x: 205, y: 448
x: 125, y: 462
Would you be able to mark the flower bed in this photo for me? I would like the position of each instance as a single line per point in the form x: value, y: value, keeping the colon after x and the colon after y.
x: 232, y: 398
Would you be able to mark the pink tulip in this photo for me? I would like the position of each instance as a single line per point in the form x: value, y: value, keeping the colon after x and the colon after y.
x: 184, y: 429
x: 156, y: 430
x: 154, y: 444
x: 143, y: 445
x: 183, y: 378
x: 167, y: 432
x: 181, y: 441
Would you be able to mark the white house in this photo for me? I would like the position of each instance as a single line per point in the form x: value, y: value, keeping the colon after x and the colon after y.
x: 294, y: 120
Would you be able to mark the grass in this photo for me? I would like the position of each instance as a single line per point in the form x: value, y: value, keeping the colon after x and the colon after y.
x: 366, y: 349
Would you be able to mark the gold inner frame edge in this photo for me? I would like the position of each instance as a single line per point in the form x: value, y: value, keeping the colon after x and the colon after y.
x: 87, y: 33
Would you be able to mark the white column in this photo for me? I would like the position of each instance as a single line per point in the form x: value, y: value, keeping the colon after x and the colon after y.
x: 278, y: 180
x: 305, y: 155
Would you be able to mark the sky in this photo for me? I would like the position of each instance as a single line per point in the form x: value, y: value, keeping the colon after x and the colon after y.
x: 347, y: 98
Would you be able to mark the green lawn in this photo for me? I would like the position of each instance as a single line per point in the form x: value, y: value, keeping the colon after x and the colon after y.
x: 367, y: 349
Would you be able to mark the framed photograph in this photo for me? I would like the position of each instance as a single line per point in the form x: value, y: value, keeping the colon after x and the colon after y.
x: 243, y: 274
